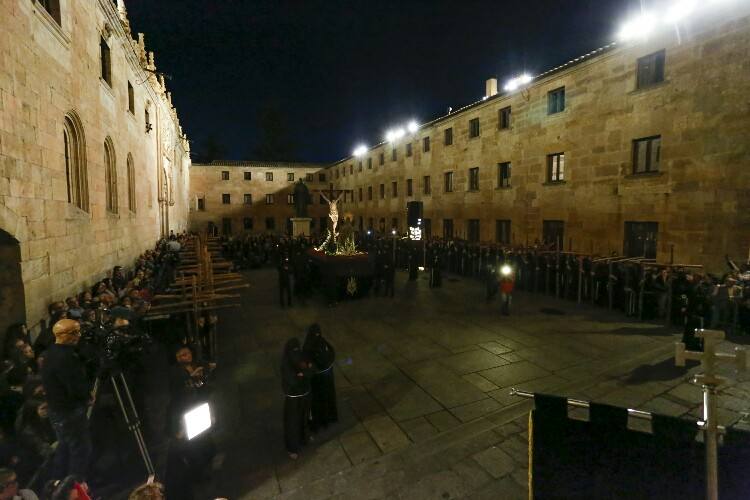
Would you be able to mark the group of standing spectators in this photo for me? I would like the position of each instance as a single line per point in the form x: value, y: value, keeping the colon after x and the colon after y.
x: 46, y: 384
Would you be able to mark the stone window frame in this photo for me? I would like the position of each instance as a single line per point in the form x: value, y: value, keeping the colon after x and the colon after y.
x: 225, y: 175
x: 269, y: 199
x: 648, y: 142
x: 448, y: 181
x: 201, y: 203
x: 360, y: 194
x: 76, y: 172
x: 408, y: 149
x: 448, y: 136
x: 369, y: 163
x: 110, y: 176
x: 382, y: 191
x: 446, y: 224
x: 131, y: 184
x: 394, y: 189
x: 504, y: 116
x: 426, y: 185
x: 270, y: 224
x: 247, y: 199
x: 504, y: 172
x: 105, y: 61
x: 556, y: 100
x: 502, y: 231
x: 247, y: 223
x: 247, y: 175
x: 226, y: 199
x: 409, y: 188
x: 382, y: 159
x: 473, y: 230
x: 649, y: 70
x: 290, y: 177
x: 394, y: 154
x: 556, y: 168
x: 369, y: 193
x: 426, y: 144
x: 131, y: 98
x: 321, y: 177
x: 269, y: 176
x: 474, y: 129
x: 290, y: 199
x: 309, y: 177
x: 473, y: 184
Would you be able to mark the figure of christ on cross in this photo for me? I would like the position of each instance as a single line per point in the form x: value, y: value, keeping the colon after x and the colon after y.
x: 334, y: 195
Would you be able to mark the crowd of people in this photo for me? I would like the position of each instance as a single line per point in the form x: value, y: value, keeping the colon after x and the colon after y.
x: 47, y: 387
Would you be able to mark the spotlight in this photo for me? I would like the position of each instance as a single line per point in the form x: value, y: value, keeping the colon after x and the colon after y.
x: 516, y: 82
x: 505, y: 270
x: 389, y: 136
x: 637, y: 28
x: 197, y: 420
x: 399, y: 133
x: 412, y: 127
x: 361, y: 150
x: 393, y: 232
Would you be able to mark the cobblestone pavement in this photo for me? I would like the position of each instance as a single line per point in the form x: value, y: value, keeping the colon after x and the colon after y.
x: 423, y: 386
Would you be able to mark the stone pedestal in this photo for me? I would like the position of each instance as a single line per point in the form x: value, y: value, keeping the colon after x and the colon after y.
x: 301, y: 226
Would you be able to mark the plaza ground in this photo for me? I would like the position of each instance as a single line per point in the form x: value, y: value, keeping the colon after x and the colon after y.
x: 423, y: 388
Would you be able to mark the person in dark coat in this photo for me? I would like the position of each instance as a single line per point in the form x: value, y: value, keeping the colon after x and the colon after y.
x: 389, y: 275
x: 323, y: 397
x: 295, y: 380
x: 436, y: 279
x: 285, y: 282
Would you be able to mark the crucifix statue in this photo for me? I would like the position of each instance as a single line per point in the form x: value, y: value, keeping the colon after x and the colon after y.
x: 334, y: 195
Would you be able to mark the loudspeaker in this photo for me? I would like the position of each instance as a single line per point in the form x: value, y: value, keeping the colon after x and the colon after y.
x: 413, y: 213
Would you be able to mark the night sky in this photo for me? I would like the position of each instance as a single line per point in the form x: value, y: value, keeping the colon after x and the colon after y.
x: 331, y: 74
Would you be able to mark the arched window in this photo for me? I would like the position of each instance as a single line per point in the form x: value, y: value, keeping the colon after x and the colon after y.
x: 75, y: 161
x: 131, y: 184
x: 110, y: 175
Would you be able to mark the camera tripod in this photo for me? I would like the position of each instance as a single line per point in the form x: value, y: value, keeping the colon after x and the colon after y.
x: 129, y: 413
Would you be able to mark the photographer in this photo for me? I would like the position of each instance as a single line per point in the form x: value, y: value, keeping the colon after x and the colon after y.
x: 68, y: 392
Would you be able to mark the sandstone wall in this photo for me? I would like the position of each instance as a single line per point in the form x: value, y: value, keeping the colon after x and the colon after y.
x: 700, y: 197
x: 206, y: 183
x: 48, y: 69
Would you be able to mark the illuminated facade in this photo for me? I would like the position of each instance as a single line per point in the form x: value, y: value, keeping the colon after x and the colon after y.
x: 636, y: 148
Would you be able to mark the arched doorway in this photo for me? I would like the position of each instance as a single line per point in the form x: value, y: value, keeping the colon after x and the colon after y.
x: 12, y: 301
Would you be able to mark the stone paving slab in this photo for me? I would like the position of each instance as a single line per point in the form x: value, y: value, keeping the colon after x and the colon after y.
x: 386, y: 434
x: 514, y: 373
x: 472, y: 361
x: 447, y: 388
x: 402, y: 398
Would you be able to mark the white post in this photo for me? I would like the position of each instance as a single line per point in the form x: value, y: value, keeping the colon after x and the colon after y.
x: 709, y: 380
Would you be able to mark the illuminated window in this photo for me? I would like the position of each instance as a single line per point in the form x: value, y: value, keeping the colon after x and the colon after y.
x: 556, y: 167
x: 474, y: 179
x: 646, y: 154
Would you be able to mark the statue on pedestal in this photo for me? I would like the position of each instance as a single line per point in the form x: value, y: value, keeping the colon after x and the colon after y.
x: 301, y: 199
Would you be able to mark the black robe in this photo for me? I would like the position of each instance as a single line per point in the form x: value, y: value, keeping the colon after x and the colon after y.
x: 296, y: 384
x: 323, y: 404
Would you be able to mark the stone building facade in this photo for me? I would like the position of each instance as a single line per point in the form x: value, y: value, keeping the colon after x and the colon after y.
x: 93, y: 162
x: 635, y: 148
x: 246, y: 197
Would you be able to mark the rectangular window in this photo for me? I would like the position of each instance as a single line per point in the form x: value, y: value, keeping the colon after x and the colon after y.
x: 337, y: 173
x: 309, y: 178
x: 369, y: 164
x: 426, y: 187
x: 351, y: 169
x: 394, y: 189
x: 225, y: 175
x: 556, y: 101
x: 106, y: 62
x: 650, y: 70
x: 426, y: 144
x: 269, y: 199
x: 269, y: 176
x: 201, y: 204
x: 290, y: 199
x: 226, y: 226
x: 646, y: 154
x: 369, y: 193
x: 248, y: 175
x: 447, y: 229
x: 409, y: 188
x: 503, y: 118
x: 248, y: 199
x: 290, y: 177
x: 360, y: 194
x: 503, y: 174
x: 382, y: 158
x: 53, y: 9
x: 359, y: 167
x: 270, y: 223
x: 640, y: 239
x: 556, y: 167
x: 247, y: 223
x: 448, y: 182
x: 474, y: 179
x: 448, y: 138
x: 394, y: 154
x: 408, y: 149
x: 502, y: 231
x: 382, y: 191
x: 226, y: 199
x: 473, y: 128
x: 131, y: 99
x: 472, y: 232
x: 321, y: 177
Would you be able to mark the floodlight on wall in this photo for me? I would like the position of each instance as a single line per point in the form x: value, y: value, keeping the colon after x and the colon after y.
x: 412, y: 127
x: 515, y: 83
x: 639, y: 27
x: 360, y: 150
x: 394, y: 134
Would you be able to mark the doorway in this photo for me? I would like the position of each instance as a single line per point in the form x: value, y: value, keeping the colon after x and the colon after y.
x: 12, y: 300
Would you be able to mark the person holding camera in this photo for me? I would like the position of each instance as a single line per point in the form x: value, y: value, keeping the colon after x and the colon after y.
x: 68, y: 394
